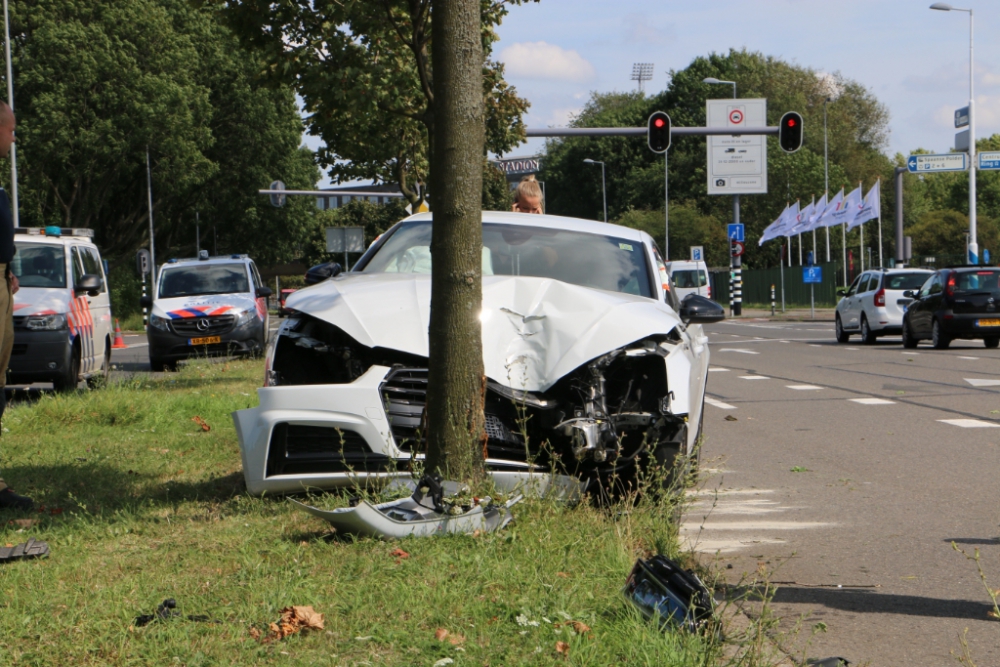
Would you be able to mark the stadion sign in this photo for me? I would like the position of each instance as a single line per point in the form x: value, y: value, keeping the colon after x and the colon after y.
x: 519, y: 166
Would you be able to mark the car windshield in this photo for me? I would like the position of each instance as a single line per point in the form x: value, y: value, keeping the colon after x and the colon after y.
x: 203, y: 279
x: 977, y: 281
x: 39, y: 265
x: 591, y: 260
x: 689, y: 279
x: 905, y: 281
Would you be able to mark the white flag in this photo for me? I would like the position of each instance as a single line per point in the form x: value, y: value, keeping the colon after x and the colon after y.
x: 773, y: 229
x: 837, y: 203
x: 803, y: 219
x: 869, y: 209
x: 818, y: 209
x: 847, y: 212
x: 791, y: 220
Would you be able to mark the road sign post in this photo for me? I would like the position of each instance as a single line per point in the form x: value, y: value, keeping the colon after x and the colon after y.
x: 812, y: 275
x: 921, y: 164
x: 962, y: 117
x: 697, y: 253
x: 989, y: 160
x: 736, y: 232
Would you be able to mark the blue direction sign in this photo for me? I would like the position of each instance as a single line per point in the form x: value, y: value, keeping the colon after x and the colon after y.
x: 735, y: 232
x: 812, y: 274
x: 989, y: 160
x: 940, y: 162
x: 961, y: 117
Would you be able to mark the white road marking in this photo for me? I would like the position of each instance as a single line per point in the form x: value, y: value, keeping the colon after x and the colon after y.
x: 969, y: 358
x: 872, y: 401
x: 757, y: 525
x: 815, y: 346
x: 969, y: 423
x: 980, y: 382
x: 733, y: 349
x: 723, y: 546
x: 717, y: 369
x: 913, y: 353
x: 727, y: 492
x: 802, y: 387
x: 854, y: 349
x: 719, y: 404
x: 754, y: 377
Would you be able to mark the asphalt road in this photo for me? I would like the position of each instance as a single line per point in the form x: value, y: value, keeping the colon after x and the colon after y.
x: 848, y: 473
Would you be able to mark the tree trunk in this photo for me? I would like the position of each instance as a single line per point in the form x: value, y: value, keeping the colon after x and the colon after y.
x: 456, y: 436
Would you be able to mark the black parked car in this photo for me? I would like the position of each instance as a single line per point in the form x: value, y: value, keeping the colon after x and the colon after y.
x: 955, y: 303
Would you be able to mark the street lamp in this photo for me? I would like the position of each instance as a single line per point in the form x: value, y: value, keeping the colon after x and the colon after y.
x: 604, y: 187
x: 712, y: 79
x: 973, y: 255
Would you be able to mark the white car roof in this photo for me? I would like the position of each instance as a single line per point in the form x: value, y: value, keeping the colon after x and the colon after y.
x: 553, y: 222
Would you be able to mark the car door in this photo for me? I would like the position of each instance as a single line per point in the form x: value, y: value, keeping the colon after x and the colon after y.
x: 852, y: 308
x: 100, y: 306
x: 261, y: 302
x: 920, y: 311
x: 81, y: 324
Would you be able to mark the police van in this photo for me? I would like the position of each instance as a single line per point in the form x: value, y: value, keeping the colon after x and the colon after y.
x: 206, y: 306
x: 62, y: 313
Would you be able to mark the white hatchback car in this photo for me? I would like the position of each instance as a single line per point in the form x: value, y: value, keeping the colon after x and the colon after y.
x: 593, y: 368
x: 874, y: 304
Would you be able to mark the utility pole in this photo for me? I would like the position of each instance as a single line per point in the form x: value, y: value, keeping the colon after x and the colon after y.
x: 152, y: 241
x: 10, y: 103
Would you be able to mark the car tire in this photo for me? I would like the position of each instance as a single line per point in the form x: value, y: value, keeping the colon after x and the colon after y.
x: 70, y: 379
x: 991, y: 341
x: 842, y: 336
x: 909, y: 341
x: 101, y: 378
x: 867, y: 335
x: 158, y: 365
x: 938, y: 338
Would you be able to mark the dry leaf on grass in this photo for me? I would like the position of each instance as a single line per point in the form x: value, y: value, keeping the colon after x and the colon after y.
x: 293, y: 620
x: 399, y: 553
x: 24, y: 523
x: 562, y: 575
x: 441, y: 634
x: 579, y: 627
x: 202, y: 423
x: 562, y: 648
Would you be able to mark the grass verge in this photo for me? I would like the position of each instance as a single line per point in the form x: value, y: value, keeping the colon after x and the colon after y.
x: 139, y: 503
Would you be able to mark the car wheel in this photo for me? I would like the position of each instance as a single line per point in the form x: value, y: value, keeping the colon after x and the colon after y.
x: 867, y: 335
x: 842, y: 336
x: 70, y: 379
x: 158, y: 365
x: 100, y: 379
x: 909, y: 341
x: 940, y: 341
x: 991, y: 341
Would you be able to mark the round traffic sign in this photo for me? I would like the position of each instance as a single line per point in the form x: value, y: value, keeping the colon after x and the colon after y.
x: 736, y: 116
x: 738, y: 248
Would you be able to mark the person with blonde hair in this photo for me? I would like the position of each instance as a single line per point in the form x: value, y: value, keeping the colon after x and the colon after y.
x: 528, y: 196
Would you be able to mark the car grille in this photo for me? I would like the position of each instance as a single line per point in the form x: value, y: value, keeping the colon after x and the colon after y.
x: 19, y: 348
x: 300, y: 449
x: 217, y: 324
x: 404, y: 393
x: 19, y: 321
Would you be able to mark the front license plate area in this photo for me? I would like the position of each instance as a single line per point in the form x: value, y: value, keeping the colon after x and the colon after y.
x: 208, y: 340
x: 988, y: 323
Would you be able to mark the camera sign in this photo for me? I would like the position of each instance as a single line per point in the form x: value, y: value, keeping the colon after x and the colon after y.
x: 737, y: 164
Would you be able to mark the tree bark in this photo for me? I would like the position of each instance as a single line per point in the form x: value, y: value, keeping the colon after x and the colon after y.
x: 456, y: 436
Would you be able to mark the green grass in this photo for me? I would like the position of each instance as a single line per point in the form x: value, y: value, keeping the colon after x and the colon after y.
x: 141, y: 505
x: 132, y: 322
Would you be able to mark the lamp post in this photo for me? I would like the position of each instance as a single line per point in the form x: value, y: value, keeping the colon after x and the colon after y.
x: 826, y: 172
x: 973, y: 254
x: 604, y: 187
x: 712, y: 79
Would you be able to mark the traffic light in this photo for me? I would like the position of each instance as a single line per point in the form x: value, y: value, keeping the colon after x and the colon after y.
x: 790, y: 132
x: 659, y: 132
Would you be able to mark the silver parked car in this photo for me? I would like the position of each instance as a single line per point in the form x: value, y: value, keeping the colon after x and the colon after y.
x: 874, y: 304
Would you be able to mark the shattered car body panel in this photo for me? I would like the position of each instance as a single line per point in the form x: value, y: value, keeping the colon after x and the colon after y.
x: 583, y: 379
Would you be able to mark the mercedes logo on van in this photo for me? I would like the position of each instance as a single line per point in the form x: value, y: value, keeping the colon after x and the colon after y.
x: 202, y: 324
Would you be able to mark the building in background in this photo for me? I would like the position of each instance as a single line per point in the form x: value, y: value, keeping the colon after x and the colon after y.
x: 516, y: 168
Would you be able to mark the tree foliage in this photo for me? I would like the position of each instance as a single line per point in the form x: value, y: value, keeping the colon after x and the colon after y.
x: 364, y: 71
x: 99, y: 81
x: 635, y: 175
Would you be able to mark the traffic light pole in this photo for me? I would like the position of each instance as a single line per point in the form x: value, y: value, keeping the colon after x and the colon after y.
x: 737, y: 266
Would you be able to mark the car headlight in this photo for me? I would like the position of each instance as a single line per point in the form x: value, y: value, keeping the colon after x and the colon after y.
x: 45, y: 322
x: 158, y: 322
x: 246, y: 317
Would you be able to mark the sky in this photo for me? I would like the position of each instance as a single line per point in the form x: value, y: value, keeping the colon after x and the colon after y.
x: 913, y: 59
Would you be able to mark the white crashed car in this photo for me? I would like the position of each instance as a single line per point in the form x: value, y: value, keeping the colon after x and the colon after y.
x: 593, y: 367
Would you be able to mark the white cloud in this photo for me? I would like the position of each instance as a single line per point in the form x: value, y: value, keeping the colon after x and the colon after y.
x: 541, y: 60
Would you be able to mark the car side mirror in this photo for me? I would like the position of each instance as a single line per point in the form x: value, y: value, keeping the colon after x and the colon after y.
x: 264, y: 292
x: 321, y: 272
x: 910, y: 294
x: 90, y: 283
x: 146, y: 301
x: 696, y: 309
x: 841, y: 292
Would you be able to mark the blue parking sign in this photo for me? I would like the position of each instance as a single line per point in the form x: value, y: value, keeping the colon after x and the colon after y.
x: 735, y: 232
x: 812, y: 274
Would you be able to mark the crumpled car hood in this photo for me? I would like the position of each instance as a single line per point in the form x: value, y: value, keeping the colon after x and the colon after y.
x: 535, y: 330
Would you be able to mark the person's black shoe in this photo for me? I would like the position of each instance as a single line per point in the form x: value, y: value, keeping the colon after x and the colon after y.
x: 12, y: 501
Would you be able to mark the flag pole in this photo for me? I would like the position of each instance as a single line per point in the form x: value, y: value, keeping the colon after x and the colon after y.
x: 843, y: 231
x: 879, y: 184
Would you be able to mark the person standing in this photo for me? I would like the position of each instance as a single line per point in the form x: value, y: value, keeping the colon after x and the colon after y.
x: 8, y: 288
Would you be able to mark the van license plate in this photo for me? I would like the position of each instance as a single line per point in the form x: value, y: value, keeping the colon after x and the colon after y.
x: 988, y: 323
x: 208, y: 340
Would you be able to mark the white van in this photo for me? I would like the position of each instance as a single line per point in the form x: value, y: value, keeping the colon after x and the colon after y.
x: 689, y: 277
x: 62, y: 313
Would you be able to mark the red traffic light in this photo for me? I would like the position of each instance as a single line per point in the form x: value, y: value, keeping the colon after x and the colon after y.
x: 791, y: 122
x: 658, y: 132
x: 790, y: 132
